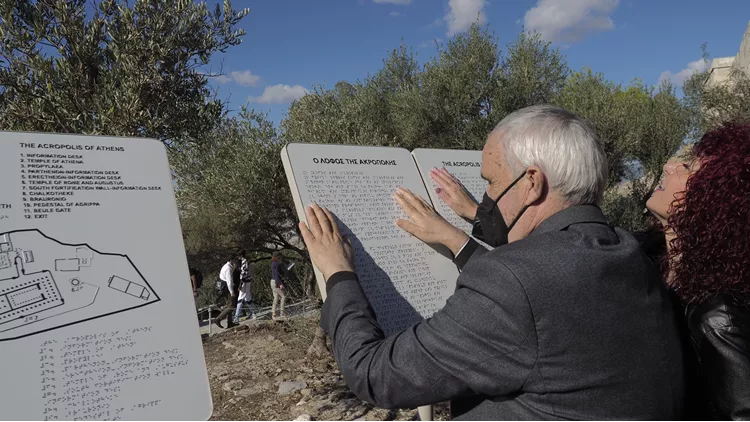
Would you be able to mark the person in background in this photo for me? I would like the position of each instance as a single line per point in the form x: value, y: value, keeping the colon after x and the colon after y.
x: 702, y: 204
x: 565, y: 319
x: 277, y: 284
x: 229, y: 276
x: 246, y: 289
x: 196, y: 281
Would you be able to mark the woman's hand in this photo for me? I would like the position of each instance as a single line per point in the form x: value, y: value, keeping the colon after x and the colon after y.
x: 454, y: 194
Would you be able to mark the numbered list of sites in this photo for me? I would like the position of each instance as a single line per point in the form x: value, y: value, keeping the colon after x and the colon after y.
x: 54, y: 177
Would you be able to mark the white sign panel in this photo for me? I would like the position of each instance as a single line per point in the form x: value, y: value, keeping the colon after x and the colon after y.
x: 97, y: 318
x: 404, y: 279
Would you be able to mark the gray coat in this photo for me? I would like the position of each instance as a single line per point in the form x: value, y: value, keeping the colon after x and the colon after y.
x: 571, y: 322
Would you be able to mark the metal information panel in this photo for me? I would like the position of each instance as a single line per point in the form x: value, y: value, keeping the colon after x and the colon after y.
x: 97, y: 318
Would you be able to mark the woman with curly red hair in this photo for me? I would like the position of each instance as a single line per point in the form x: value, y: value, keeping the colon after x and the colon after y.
x: 703, y: 204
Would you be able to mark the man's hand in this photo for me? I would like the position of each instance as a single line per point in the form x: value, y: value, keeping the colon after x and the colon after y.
x: 329, y: 252
x: 454, y: 194
x: 426, y: 224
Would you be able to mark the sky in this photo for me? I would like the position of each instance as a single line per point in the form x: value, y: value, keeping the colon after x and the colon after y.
x: 291, y: 46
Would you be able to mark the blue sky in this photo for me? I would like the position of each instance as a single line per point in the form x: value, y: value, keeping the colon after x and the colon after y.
x: 292, y: 45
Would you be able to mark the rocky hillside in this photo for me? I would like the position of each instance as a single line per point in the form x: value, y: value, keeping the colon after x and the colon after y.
x: 260, y: 371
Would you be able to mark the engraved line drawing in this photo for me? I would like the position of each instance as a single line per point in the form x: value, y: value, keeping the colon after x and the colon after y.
x: 46, y: 284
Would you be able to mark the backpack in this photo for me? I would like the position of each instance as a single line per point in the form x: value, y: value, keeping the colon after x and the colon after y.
x: 246, y: 274
x: 198, y: 277
x: 221, y: 288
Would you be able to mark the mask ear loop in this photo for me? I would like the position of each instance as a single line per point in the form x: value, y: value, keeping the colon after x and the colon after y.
x: 515, y: 220
x: 509, y: 186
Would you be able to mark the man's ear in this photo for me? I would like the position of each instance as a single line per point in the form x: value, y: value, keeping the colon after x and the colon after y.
x: 536, y: 185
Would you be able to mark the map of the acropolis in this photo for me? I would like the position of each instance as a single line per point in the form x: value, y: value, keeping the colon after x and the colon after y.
x: 46, y: 284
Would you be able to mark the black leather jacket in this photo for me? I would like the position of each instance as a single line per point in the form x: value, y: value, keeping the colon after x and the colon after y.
x: 720, y: 336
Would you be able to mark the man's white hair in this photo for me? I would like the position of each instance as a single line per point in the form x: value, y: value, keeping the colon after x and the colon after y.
x: 560, y: 143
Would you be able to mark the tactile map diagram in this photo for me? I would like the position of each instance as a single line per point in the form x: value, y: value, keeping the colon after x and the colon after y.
x: 46, y: 284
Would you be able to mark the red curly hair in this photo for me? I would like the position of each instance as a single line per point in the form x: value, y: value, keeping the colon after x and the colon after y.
x: 710, y: 254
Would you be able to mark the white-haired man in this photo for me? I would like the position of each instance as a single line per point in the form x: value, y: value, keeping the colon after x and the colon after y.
x: 565, y: 319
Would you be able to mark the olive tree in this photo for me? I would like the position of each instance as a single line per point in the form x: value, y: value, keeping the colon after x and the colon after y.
x: 106, y: 67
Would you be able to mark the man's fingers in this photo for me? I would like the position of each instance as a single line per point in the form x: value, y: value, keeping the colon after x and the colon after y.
x: 312, y: 221
x: 425, y: 205
x: 325, y: 223
x: 334, y: 225
x: 404, y: 203
x: 408, y: 226
x: 411, y: 199
x: 307, y: 235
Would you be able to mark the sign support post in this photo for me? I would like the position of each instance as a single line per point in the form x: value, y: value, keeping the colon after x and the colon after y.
x: 425, y: 413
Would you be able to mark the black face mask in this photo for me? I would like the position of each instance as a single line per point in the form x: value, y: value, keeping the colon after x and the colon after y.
x: 494, y: 230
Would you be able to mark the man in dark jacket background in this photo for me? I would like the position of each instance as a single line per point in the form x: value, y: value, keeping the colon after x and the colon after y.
x: 565, y: 319
x: 277, y: 285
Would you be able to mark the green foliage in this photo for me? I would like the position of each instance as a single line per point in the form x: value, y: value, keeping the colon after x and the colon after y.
x: 112, y: 69
x: 456, y: 99
x: 713, y: 104
x: 452, y: 101
x: 601, y: 102
x: 238, y: 168
x: 117, y: 69
x: 532, y: 73
x: 233, y: 194
x: 122, y: 68
x: 640, y: 128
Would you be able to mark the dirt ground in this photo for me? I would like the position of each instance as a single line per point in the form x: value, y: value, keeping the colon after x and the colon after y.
x: 260, y: 371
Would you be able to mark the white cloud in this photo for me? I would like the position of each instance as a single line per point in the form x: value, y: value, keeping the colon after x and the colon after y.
x: 396, y: 14
x: 280, y: 94
x: 570, y: 20
x: 462, y: 13
x: 680, y: 77
x: 392, y: 1
x: 244, y: 78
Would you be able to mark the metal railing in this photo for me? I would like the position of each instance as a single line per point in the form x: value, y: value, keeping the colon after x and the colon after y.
x: 290, y: 310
